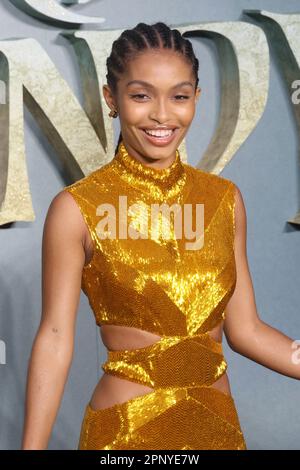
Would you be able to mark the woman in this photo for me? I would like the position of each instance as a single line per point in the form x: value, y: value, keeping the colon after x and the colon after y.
x: 161, y: 303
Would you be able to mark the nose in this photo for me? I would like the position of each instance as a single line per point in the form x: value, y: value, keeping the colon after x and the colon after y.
x: 160, y: 111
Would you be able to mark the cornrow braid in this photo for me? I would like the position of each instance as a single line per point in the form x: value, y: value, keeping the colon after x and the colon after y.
x: 142, y: 37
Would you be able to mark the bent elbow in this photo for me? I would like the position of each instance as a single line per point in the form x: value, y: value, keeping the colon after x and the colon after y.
x: 233, y: 343
x: 239, y: 341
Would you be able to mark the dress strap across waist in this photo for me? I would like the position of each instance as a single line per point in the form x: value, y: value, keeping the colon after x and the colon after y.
x: 172, y: 361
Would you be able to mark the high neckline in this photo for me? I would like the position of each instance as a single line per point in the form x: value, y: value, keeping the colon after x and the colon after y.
x: 160, y: 182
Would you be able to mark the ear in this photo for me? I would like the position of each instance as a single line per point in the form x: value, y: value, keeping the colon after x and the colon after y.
x: 109, y: 97
x: 197, y: 94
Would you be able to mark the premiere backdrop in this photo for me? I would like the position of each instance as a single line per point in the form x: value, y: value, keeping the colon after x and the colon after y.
x: 247, y: 133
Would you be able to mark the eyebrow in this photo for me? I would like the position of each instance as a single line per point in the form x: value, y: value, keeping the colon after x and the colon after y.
x: 146, y: 84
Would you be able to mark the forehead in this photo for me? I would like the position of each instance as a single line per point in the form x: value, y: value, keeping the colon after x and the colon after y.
x: 158, y: 67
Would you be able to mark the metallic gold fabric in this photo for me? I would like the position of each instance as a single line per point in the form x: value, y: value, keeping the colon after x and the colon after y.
x: 157, y: 285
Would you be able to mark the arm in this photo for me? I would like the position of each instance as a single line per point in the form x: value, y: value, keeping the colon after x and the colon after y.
x: 63, y: 258
x: 245, y: 332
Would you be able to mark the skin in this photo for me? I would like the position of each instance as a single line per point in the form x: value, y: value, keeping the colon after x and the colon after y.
x: 67, y: 247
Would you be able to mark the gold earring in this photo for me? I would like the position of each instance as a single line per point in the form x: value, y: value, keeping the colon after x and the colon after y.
x: 113, y: 113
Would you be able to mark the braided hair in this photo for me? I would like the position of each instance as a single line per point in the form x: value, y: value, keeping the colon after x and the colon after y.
x: 143, y: 36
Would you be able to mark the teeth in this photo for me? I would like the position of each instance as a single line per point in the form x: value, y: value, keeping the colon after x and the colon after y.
x: 159, y: 133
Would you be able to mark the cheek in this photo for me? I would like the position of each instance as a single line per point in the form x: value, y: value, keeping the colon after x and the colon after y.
x: 133, y: 113
x: 186, y: 114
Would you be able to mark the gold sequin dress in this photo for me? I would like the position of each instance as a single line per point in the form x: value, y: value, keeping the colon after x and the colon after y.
x: 154, y: 283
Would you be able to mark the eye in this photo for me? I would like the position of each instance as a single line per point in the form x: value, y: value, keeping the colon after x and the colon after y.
x: 185, y: 97
x: 138, y: 96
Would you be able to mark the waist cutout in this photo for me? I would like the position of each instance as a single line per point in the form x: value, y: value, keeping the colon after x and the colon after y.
x: 170, y: 362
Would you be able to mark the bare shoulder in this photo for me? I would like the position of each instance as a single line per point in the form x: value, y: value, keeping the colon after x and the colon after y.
x: 64, y: 215
x: 64, y: 236
x: 239, y: 199
x: 240, y: 213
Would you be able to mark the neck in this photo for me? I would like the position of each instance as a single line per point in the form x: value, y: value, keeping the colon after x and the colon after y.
x: 157, y: 164
x: 161, y: 183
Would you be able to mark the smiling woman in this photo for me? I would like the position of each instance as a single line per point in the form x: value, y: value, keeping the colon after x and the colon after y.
x: 160, y: 306
x: 150, y: 382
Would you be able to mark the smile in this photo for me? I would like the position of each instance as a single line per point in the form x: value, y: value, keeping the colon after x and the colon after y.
x: 161, y: 136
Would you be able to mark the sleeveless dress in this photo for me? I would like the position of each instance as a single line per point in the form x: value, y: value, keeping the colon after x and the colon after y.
x: 143, y: 276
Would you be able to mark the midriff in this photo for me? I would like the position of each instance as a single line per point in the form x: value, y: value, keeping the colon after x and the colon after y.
x: 111, y: 389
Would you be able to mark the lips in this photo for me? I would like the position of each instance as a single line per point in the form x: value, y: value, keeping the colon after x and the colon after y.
x: 159, y: 128
x: 160, y: 140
